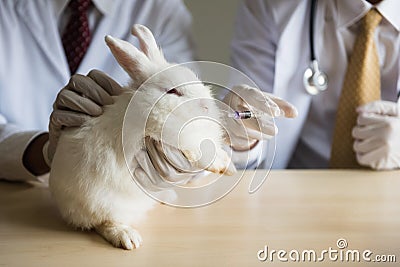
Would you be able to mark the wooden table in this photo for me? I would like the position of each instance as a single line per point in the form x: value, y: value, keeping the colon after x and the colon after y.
x: 294, y: 210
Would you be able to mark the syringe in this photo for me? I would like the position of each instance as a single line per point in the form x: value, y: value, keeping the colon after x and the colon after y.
x: 243, y: 115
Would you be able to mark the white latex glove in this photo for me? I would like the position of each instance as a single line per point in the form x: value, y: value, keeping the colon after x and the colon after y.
x: 377, y: 135
x: 158, y: 167
x: 267, y: 106
x: 82, y: 98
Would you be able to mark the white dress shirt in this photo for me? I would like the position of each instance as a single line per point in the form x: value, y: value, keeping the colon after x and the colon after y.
x: 34, y: 67
x: 271, y: 46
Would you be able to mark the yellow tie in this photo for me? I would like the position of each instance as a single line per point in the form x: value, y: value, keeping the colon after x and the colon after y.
x: 361, y: 85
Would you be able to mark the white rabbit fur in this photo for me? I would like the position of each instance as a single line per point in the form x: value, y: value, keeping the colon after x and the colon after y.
x: 89, y: 178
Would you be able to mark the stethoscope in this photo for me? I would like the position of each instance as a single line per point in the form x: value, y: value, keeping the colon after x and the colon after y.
x: 315, y: 80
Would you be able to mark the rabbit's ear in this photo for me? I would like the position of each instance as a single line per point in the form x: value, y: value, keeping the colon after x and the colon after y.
x: 134, y: 62
x: 148, y: 43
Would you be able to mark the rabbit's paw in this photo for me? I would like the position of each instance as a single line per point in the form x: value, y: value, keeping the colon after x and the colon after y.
x: 120, y: 235
x: 218, y: 161
x: 222, y: 164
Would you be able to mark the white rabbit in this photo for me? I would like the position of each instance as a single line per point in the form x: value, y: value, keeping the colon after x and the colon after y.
x: 89, y: 178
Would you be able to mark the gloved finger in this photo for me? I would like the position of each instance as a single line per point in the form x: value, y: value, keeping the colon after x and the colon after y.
x: 165, y: 157
x: 147, y: 166
x: 146, y: 182
x: 289, y: 111
x: 365, y: 132
x: 106, y: 82
x: 162, y: 192
x: 269, y: 103
x: 254, y: 134
x: 159, y: 171
x: 365, y: 119
x: 54, y: 135
x: 254, y: 97
x: 70, y: 100
x: 264, y: 125
x: 372, y: 158
x: 89, y: 88
x: 66, y: 118
x: 367, y: 145
x: 380, y: 107
x: 266, y: 105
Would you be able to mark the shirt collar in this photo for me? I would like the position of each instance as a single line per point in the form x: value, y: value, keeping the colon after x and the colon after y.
x: 106, y: 7
x: 390, y: 11
x: 349, y: 12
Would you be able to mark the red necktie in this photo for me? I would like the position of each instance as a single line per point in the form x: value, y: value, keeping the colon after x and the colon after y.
x: 76, y: 36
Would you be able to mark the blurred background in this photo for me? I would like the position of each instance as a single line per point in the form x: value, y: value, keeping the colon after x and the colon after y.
x: 213, y: 27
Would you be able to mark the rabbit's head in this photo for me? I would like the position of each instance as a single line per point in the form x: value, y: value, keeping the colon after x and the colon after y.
x: 178, y: 108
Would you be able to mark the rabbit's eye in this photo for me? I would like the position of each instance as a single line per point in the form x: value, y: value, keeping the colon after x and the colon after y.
x: 174, y: 91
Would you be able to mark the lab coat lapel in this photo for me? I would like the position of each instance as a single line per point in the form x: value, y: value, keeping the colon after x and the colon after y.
x: 287, y: 70
x: 42, y: 26
x: 106, y: 25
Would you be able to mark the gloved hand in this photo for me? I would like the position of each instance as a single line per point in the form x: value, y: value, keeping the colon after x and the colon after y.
x: 82, y: 98
x: 158, y: 167
x: 377, y: 133
x: 244, y: 97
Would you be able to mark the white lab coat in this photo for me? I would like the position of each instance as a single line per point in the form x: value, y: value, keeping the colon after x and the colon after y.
x: 34, y: 67
x: 271, y: 46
